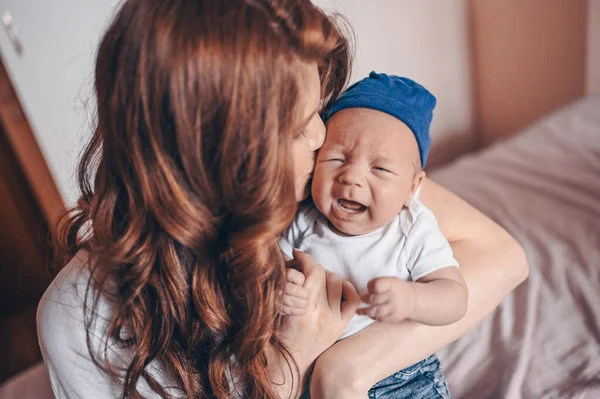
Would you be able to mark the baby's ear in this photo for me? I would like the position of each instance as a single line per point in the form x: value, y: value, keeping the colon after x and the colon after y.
x: 419, y: 176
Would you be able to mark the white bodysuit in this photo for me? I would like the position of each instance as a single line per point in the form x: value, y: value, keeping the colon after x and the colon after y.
x: 410, y: 247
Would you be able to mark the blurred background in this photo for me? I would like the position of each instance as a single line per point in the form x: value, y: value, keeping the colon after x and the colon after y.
x: 495, y: 66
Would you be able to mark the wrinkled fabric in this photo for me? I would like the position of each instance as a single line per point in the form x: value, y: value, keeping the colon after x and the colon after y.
x: 543, y: 186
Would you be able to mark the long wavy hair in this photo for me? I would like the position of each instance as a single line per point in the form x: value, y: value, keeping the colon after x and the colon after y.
x: 186, y: 184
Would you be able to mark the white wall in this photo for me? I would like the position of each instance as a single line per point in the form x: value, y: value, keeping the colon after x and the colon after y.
x: 592, y: 84
x: 426, y: 40
x: 53, y: 78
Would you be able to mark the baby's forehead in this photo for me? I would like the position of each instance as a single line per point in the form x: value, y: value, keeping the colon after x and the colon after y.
x: 364, y: 140
x: 369, y: 130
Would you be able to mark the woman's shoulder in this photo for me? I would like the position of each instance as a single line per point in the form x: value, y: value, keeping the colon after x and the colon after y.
x: 71, y: 315
x: 62, y: 307
x: 61, y: 321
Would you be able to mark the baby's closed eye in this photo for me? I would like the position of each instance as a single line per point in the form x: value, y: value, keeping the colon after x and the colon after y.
x: 383, y: 170
x: 333, y: 159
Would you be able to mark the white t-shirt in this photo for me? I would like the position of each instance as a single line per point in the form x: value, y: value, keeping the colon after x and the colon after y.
x: 61, y: 332
x: 410, y: 247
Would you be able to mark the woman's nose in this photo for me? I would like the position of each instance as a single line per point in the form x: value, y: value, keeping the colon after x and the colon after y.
x: 317, y: 141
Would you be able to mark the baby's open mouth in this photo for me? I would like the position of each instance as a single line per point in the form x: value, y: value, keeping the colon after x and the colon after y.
x: 351, y: 206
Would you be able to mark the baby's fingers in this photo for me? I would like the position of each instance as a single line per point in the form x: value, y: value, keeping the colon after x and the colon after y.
x: 381, y: 284
x: 295, y: 276
x: 294, y: 302
x: 289, y: 305
x: 375, y: 299
x: 379, y: 312
x: 296, y: 290
x: 292, y: 311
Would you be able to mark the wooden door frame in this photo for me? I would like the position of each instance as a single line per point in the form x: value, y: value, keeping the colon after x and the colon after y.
x: 28, y: 152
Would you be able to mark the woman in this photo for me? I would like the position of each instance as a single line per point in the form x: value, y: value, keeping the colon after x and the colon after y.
x: 207, y: 127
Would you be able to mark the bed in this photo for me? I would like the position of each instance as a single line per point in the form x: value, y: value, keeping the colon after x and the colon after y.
x: 543, y: 186
x: 543, y: 341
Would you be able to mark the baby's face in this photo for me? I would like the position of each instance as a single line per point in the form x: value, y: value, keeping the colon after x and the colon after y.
x: 366, y: 171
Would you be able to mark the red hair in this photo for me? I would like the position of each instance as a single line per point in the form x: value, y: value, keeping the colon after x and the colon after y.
x: 187, y: 182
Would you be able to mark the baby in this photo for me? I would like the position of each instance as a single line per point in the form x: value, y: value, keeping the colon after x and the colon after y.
x: 366, y: 223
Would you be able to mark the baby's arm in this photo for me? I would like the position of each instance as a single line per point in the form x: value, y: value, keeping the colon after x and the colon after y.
x: 437, y: 299
x: 438, y: 294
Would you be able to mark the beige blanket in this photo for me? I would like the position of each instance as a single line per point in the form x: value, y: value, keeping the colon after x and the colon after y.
x: 543, y: 186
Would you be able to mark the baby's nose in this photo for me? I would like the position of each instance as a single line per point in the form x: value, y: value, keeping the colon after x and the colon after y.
x: 352, y: 176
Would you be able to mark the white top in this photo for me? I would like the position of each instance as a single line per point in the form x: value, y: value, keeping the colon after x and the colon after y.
x: 410, y: 247
x: 61, y: 332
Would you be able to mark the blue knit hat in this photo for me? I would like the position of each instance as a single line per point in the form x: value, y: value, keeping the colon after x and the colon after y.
x: 400, y: 97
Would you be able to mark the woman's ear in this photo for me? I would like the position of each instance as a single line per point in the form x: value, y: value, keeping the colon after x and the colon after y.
x: 419, y: 176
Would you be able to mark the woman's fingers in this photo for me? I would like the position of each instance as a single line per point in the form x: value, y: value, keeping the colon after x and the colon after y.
x: 341, y: 296
x: 351, y: 301
x: 379, y: 313
x: 334, y: 291
x: 370, y: 311
x: 306, y: 262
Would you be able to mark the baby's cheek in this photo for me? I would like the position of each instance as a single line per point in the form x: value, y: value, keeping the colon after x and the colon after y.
x: 386, y: 190
x: 320, y: 186
x: 390, y: 198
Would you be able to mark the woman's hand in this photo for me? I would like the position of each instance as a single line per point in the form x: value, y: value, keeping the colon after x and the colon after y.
x: 331, y: 304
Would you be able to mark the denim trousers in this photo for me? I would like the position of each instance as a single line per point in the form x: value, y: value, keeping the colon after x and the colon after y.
x: 423, y: 380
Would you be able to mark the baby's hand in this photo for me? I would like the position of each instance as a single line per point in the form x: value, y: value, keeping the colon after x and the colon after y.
x: 391, y: 300
x: 294, y: 299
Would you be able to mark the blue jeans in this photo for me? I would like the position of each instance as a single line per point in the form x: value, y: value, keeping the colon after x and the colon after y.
x: 423, y: 380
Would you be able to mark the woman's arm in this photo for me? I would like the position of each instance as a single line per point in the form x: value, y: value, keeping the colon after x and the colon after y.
x: 492, y: 264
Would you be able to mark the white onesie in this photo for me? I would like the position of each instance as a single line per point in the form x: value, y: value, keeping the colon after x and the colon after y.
x: 410, y: 247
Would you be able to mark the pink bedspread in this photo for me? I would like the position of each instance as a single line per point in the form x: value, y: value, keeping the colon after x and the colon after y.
x: 543, y: 186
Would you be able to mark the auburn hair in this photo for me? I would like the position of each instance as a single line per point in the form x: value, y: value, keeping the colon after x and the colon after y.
x: 186, y: 184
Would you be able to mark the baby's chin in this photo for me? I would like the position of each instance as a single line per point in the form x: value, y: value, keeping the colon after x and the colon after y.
x: 349, y: 229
